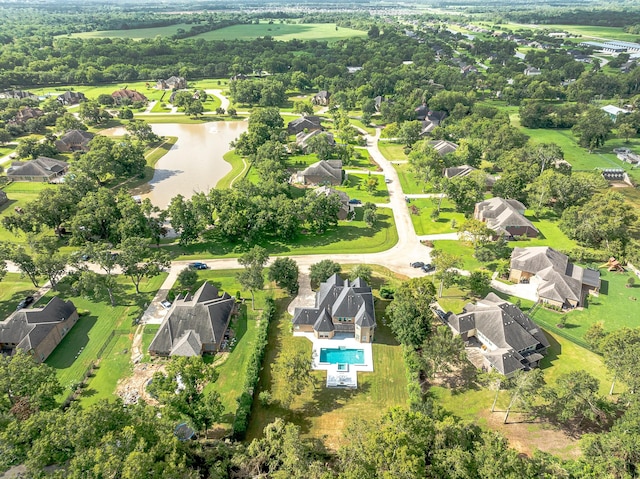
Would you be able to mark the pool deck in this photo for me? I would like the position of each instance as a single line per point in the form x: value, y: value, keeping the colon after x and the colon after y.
x: 339, y: 341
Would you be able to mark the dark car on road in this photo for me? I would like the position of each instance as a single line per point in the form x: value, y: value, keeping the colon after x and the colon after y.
x: 26, y: 302
x: 416, y: 264
x: 355, y: 201
x: 428, y: 268
x: 198, y: 265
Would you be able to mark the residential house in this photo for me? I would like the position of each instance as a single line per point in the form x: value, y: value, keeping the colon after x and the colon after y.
x: 532, y: 71
x: 25, y: 114
x: 626, y: 155
x: 40, y: 169
x: 342, y: 306
x: 18, y: 95
x: 38, y: 331
x: 378, y: 101
x: 321, y: 98
x: 74, y: 140
x: 303, y: 123
x: 323, y: 172
x: 443, y: 146
x: 172, y: 83
x: 353, y: 69
x: 345, y: 206
x: 239, y: 76
x: 71, y: 98
x: 508, y: 339
x: 466, y: 170
x: 194, y: 325
x: 431, y: 120
x: 302, y: 138
x: 505, y: 217
x: 559, y: 282
x: 3, y: 198
x: 467, y: 69
x: 614, y: 112
x: 125, y: 96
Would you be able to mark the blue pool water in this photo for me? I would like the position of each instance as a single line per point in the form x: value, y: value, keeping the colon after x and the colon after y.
x: 336, y: 356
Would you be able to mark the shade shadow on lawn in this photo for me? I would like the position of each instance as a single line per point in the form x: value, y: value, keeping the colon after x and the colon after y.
x: 9, y: 306
x: 553, y: 352
x: 77, y: 338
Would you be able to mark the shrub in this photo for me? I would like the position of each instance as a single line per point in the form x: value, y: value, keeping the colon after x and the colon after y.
x: 631, y: 281
x: 387, y: 292
x: 254, y: 366
x: 265, y: 398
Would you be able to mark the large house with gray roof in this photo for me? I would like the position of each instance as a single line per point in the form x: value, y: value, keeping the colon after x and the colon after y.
x: 342, y: 306
x: 195, y: 324
x: 559, y: 282
x: 40, y: 169
x: 509, y: 339
x: 505, y: 217
x: 71, y: 98
x: 37, y: 331
x: 74, y: 140
x: 308, y: 123
x: 323, y: 172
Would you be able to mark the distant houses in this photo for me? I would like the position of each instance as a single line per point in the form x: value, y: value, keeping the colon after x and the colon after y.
x: 38, y: 331
x: 25, y: 114
x: 17, y: 95
x: 74, y: 140
x: 125, y: 96
x: 324, y: 172
x: 308, y: 123
x: 3, y: 198
x: 172, y: 83
x: 614, y: 112
x: 559, y: 282
x: 40, y: 169
x: 506, y: 339
x: 302, y: 138
x: 505, y: 217
x: 195, y: 324
x: 321, y: 98
x: 532, y: 71
x: 71, y: 98
x: 345, y: 206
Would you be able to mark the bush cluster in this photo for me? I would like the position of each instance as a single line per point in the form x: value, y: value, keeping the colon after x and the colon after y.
x: 245, y: 400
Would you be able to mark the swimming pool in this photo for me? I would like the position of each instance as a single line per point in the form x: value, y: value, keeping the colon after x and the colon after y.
x: 344, y: 356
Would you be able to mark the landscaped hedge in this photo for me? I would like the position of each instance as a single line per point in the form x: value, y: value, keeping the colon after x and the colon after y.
x: 412, y: 365
x: 245, y: 400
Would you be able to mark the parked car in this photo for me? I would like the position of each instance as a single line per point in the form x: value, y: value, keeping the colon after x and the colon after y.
x: 26, y: 302
x: 417, y: 264
x: 428, y: 268
x: 388, y: 180
x: 166, y: 304
x: 198, y: 265
x: 355, y: 201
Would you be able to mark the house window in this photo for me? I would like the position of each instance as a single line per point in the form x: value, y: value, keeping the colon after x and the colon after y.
x: 297, y: 326
x: 364, y: 338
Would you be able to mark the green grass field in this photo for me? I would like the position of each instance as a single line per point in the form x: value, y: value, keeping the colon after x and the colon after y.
x: 424, y: 225
x: 409, y: 181
x: 134, y: 33
x: 238, y: 170
x: 392, y: 151
x: 616, y: 307
x: 81, y: 345
x: 357, y: 188
x: 323, y: 413
x: 348, y: 237
x: 13, y: 289
x: 19, y: 194
x: 280, y: 31
x: 462, y: 250
x: 550, y: 234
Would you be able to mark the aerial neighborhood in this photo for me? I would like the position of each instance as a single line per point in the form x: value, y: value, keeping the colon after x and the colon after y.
x: 334, y: 241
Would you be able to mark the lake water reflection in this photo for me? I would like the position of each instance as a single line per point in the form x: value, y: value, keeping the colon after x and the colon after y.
x: 194, y: 164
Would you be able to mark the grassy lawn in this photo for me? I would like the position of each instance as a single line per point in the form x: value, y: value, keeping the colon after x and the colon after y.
x: 238, y: 168
x: 409, y: 180
x: 462, y: 250
x: 348, y: 237
x: 392, y: 151
x: 183, y: 119
x: 81, y: 345
x: 608, y: 33
x: 93, y: 91
x: 281, y: 31
x: 474, y: 404
x: 152, y: 156
x: 550, y: 234
x: 323, y: 413
x: 616, y: 307
x: 134, y: 33
x: 159, y: 108
x: 148, y: 333
x: 358, y: 123
x: 357, y: 188
x: 13, y: 289
x: 114, y: 365
x: 424, y: 225
x: 19, y: 193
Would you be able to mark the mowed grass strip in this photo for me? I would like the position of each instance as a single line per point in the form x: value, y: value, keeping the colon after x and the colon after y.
x: 424, y: 225
x: 13, y: 289
x: 357, y: 188
x: 283, y: 31
x: 19, y: 193
x: 134, y: 33
x: 115, y: 364
x: 80, y: 347
x: 348, y: 237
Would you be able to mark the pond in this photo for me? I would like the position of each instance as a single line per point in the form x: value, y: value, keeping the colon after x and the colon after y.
x: 194, y: 164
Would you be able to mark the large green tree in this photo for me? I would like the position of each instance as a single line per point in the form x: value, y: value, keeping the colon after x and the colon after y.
x: 252, y: 276
x: 410, y: 311
x: 284, y: 271
x: 593, y: 128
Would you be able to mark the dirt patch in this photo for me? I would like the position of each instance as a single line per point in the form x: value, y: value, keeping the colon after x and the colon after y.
x: 133, y: 388
x: 526, y: 437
